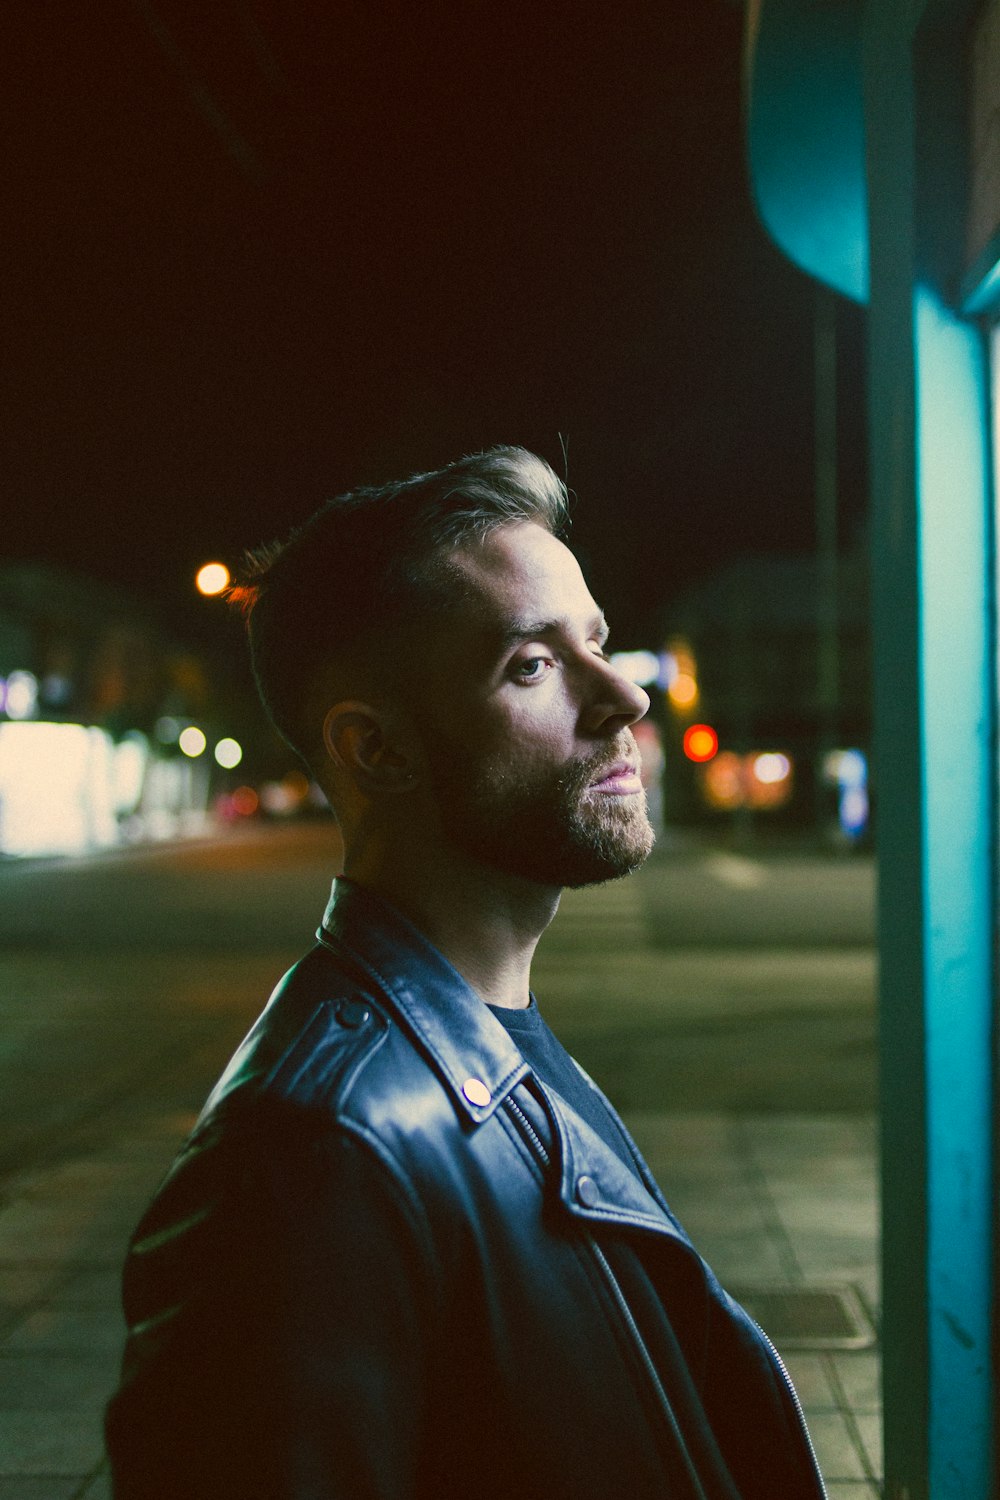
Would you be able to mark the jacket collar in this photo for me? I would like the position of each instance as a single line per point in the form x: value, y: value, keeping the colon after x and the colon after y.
x: 461, y: 1038
x: 467, y: 1045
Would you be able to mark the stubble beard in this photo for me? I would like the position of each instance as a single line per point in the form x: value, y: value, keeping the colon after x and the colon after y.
x: 553, y: 829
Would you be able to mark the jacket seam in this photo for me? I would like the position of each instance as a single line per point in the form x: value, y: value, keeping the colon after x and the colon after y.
x: 405, y: 1194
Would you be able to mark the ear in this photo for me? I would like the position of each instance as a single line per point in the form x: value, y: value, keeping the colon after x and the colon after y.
x: 370, y: 747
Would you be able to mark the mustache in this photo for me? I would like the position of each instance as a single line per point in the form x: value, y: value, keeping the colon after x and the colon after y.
x: 584, y: 772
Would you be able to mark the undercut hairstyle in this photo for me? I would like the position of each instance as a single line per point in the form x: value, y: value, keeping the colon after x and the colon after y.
x: 324, y: 609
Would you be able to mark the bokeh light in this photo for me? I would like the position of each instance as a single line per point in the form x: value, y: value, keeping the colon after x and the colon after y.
x: 701, y: 742
x: 192, y: 741
x: 245, y: 801
x: 228, y: 753
x: 771, y: 767
x: 212, y: 578
x: 683, y: 691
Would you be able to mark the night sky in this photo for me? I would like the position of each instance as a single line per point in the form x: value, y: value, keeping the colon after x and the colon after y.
x: 259, y: 252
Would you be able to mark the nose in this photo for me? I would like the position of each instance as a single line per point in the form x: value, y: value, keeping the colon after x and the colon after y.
x: 613, y: 703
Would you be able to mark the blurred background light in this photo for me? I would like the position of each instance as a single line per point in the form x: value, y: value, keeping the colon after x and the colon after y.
x: 848, y: 771
x: 771, y: 767
x: 701, y: 743
x: 668, y: 669
x: 192, y: 741
x: 212, y: 578
x: 228, y: 753
x: 167, y: 730
x: 131, y: 756
x: 56, y: 789
x: 21, y: 699
x: 640, y: 667
x: 683, y: 690
x: 723, y: 781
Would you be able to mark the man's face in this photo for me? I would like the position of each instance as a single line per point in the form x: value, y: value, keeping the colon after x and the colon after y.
x: 525, y: 724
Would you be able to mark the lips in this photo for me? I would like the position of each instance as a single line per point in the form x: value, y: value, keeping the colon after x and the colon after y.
x: 620, y: 780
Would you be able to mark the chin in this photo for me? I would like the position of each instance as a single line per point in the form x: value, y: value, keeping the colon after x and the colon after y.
x: 586, y: 853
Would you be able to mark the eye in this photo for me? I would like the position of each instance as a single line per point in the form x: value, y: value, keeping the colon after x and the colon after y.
x: 531, y: 668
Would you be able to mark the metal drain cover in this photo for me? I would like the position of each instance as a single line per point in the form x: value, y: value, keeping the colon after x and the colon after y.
x: 808, y: 1317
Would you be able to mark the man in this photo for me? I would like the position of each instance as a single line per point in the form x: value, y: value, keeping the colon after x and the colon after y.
x: 410, y: 1250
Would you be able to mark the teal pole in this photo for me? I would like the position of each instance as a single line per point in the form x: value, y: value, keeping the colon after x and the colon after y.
x: 935, y: 717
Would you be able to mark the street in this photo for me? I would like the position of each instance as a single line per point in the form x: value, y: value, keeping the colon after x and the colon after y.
x: 724, y: 1001
x: 709, y: 981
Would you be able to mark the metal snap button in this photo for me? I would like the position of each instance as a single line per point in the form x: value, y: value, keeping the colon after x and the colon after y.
x: 587, y: 1192
x: 353, y: 1013
x: 476, y: 1092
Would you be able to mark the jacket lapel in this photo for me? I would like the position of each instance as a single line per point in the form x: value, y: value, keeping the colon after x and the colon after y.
x: 478, y: 1060
x: 596, y: 1185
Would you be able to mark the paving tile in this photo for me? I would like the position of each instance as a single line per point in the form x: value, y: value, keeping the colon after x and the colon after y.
x: 38, y: 1487
x: 68, y: 1328
x: 743, y: 1258
x: 45, y: 1382
x: 99, y: 1488
x: 870, y: 1426
x: 835, y: 1448
x: 734, y: 1210
x: 61, y: 1443
x: 47, y: 1230
x: 858, y: 1376
x: 93, y: 1284
x: 811, y: 1380
x: 24, y: 1281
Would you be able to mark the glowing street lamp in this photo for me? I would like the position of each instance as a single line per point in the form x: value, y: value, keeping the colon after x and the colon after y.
x: 212, y: 578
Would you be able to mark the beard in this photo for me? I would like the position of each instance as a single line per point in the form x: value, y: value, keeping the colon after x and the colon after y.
x: 544, y: 826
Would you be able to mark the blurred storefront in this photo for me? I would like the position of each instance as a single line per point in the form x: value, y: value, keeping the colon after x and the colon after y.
x: 756, y: 650
x: 93, y: 700
x: 873, y: 131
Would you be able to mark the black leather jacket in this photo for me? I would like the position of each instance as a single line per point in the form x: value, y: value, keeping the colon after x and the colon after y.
x: 389, y: 1265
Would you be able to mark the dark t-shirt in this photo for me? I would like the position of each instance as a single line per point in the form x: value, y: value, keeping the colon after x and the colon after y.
x: 553, y: 1066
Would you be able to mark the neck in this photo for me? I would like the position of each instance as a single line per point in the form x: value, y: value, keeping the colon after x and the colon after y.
x: 487, y: 924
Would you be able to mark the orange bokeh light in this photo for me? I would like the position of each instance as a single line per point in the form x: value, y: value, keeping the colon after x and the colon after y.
x: 683, y: 691
x: 701, y: 743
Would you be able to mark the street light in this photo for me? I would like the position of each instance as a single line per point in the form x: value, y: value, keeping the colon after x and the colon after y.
x: 211, y: 578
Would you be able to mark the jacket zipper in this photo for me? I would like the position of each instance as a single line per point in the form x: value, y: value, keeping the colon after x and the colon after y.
x: 666, y: 1410
x: 527, y: 1129
x: 621, y: 1303
x: 795, y: 1401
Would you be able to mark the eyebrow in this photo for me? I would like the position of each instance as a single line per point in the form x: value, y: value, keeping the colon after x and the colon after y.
x: 518, y: 630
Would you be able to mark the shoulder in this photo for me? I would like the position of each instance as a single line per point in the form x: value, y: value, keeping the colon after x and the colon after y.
x: 329, y: 1052
x: 319, y: 1026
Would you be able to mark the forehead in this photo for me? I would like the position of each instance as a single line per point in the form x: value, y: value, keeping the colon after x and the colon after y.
x: 517, y: 573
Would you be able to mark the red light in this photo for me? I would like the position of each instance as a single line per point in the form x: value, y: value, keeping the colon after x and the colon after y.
x: 244, y: 801
x: 701, y: 743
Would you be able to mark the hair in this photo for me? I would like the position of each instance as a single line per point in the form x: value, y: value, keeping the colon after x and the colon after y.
x: 321, y: 608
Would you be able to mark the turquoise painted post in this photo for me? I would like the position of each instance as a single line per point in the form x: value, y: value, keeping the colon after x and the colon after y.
x: 935, y: 718
x: 956, y: 652
x: 892, y: 74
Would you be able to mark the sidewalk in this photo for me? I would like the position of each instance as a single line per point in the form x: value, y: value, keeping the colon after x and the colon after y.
x: 779, y: 1204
